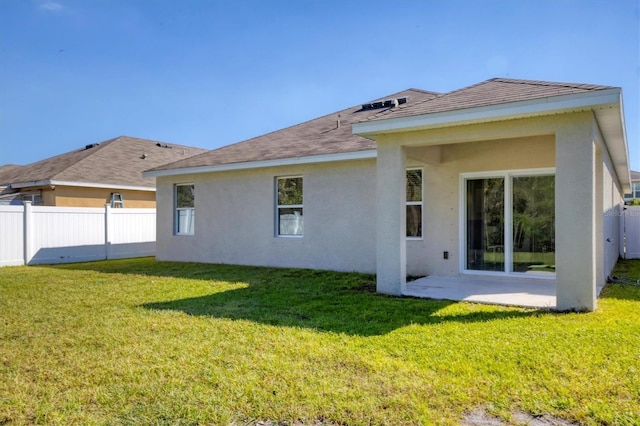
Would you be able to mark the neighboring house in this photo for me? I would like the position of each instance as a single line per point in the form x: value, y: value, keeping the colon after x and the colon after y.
x: 635, y: 187
x: 509, y: 178
x: 88, y: 177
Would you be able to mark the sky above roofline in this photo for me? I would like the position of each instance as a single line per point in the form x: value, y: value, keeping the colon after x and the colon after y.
x: 211, y: 73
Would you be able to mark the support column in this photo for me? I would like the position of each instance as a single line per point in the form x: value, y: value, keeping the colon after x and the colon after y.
x: 575, y: 198
x: 391, y: 257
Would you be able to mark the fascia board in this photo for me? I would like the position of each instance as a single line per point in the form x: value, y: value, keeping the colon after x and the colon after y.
x: 533, y: 107
x: 313, y: 159
x: 50, y: 182
x: 625, y: 170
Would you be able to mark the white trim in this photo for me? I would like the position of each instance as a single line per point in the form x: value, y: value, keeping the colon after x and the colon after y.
x: 286, y: 206
x: 49, y: 182
x: 508, y: 207
x: 416, y: 203
x: 176, y: 217
x: 520, y: 109
x: 313, y: 159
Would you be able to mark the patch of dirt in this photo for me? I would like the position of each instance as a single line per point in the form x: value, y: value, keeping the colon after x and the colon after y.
x: 480, y: 417
x: 297, y: 423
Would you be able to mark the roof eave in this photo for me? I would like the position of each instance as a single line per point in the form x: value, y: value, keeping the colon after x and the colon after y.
x: 497, y: 112
x: 312, y: 159
x: 53, y: 182
x: 611, y: 121
x: 606, y: 105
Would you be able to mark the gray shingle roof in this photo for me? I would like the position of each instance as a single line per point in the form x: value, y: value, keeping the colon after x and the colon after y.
x: 635, y: 176
x: 314, y: 137
x: 323, y: 136
x: 117, y: 161
x: 491, y: 92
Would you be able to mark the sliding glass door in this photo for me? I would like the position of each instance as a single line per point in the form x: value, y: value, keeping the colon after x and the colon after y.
x: 533, y: 227
x: 509, y: 223
x: 485, y: 224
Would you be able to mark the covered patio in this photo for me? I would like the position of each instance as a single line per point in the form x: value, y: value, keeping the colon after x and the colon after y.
x: 574, y: 146
x: 510, y: 291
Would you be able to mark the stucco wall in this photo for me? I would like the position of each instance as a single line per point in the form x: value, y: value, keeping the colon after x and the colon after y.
x: 235, y: 218
x: 235, y: 211
x: 612, y: 204
x: 75, y: 196
x: 442, y: 193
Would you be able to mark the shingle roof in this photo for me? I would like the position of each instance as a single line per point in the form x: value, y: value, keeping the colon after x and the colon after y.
x: 314, y: 137
x: 635, y: 176
x: 117, y: 161
x: 491, y: 92
x: 9, y: 167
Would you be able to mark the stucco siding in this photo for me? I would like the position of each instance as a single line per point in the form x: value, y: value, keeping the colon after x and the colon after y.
x: 442, y: 194
x: 235, y: 211
x: 235, y: 218
x: 612, y: 205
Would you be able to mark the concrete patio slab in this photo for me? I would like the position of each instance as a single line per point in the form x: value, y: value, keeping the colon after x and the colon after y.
x: 513, y: 291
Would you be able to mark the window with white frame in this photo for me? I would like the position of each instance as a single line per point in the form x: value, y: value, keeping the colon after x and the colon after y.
x: 635, y: 190
x: 414, y: 203
x: 289, y: 194
x: 185, y: 209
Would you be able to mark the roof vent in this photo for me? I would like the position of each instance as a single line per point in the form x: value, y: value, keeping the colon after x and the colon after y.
x: 389, y: 103
x: 91, y: 145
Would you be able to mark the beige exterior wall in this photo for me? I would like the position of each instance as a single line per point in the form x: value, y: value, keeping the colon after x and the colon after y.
x: 235, y: 211
x: 441, y: 226
x: 235, y: 218
x: 612, y: 211
x: 76, y: 196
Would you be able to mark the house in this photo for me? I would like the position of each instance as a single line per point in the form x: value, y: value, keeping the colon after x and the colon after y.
x: 96, y: 174
x: 506, y: 178
x: 635, y: 187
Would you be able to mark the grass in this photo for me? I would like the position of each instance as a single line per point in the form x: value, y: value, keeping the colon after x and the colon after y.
x: 145, y: 342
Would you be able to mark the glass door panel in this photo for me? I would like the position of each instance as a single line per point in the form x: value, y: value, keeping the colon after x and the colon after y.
x: 485, y: 224
x: 534, y: 243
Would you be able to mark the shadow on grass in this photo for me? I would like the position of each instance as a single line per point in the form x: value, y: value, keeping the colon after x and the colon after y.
x: 321, y: 300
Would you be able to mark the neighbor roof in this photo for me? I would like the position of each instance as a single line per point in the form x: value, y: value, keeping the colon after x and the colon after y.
x: 315, y: 137
x: 635, y: 176
x: 118, y: 162
x: 487, y: 93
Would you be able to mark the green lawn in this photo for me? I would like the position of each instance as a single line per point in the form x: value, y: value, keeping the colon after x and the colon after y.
x: 145, y: 342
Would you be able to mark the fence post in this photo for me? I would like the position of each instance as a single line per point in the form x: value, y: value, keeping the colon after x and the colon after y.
x: 27, y: 225
x: 107, y: 230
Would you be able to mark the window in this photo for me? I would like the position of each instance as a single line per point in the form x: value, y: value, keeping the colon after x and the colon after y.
x: 414, y: 203
x: 289, y: 206
x: 36, y: 199
x: 185, y: 211
x: 635, y: 190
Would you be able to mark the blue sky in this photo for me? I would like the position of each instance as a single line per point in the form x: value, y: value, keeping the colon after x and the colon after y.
x: 210, y: 73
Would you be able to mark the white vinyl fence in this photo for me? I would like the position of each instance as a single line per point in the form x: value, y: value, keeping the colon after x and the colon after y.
x: 631, y: 227
x: 43, y: 235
